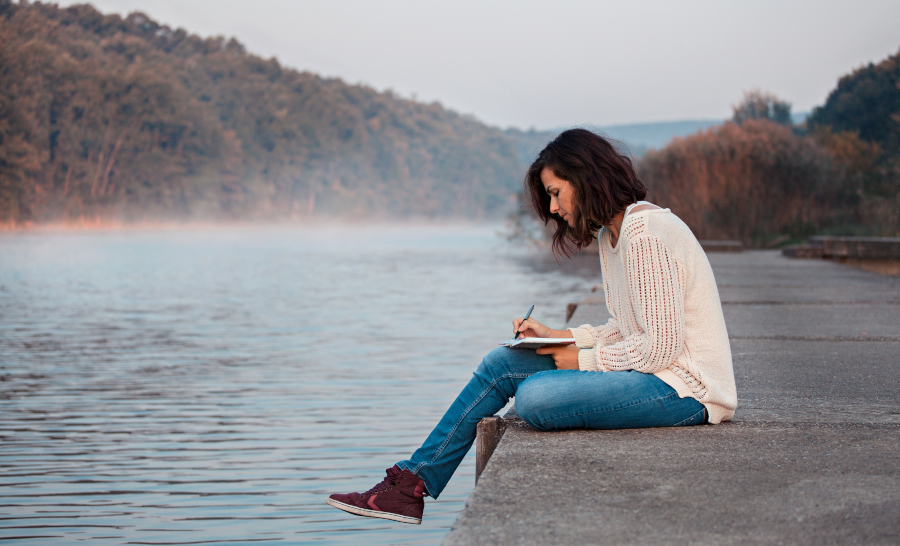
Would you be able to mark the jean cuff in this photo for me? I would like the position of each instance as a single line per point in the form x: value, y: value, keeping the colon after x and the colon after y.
x: 404, y: 466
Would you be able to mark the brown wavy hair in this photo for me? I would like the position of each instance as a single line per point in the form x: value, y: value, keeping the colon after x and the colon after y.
x: 604, y: 183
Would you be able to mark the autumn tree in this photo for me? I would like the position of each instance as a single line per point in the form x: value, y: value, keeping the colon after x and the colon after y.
x: 760, y: 105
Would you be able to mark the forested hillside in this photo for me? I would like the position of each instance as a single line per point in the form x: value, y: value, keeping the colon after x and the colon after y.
x: 124, y: 118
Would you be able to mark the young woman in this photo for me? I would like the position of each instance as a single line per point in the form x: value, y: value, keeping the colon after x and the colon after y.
x: 662, y: 360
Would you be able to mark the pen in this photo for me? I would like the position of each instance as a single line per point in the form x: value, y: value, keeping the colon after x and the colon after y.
x: 528, y: 314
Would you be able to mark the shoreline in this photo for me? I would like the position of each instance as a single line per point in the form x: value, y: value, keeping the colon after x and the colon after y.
x: 105, y: 224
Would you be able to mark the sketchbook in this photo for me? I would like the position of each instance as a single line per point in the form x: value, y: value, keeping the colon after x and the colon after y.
x: 537, y: 342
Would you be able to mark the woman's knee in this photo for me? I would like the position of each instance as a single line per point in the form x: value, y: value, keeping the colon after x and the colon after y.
x: 495, y: 363
x: 534, y: 398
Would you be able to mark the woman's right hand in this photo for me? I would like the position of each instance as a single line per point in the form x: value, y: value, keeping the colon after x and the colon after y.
x: 531, y: 328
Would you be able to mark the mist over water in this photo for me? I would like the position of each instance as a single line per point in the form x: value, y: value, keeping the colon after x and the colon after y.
x: 215, y: 385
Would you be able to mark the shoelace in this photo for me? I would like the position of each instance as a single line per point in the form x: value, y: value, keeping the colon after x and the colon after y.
x: 389, y: 481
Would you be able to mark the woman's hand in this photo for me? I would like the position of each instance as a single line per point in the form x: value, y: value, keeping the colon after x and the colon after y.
x: 565, y: 357
x: 530, y: 328
x: 533, y: 328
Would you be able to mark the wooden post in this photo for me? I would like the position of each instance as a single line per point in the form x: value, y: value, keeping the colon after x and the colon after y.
x: 570, y: 310
x: 487, y: 436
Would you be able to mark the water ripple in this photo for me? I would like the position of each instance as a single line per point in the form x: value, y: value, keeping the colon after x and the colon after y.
x: 214, y: 386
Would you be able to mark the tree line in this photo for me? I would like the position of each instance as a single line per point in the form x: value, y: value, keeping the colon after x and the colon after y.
x: 762, y: 180
x: 123, y: 118
x: 104, y: 116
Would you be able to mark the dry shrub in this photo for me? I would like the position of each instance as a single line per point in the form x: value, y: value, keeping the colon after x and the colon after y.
x: 753, y: 182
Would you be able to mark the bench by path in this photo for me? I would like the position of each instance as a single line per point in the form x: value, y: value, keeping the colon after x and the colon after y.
x: 812, y: 456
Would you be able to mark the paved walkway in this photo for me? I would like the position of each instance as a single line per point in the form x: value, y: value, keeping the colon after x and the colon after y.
x: 812, y: 456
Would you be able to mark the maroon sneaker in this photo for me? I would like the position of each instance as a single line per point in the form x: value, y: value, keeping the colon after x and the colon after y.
x: 398, y: 497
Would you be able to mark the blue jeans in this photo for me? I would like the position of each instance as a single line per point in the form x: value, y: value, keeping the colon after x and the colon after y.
x: 547, y: 399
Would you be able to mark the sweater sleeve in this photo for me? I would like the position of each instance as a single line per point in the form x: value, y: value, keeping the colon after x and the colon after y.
x: 587, y: 338
x: 658, y: 301
x: 605, y: 335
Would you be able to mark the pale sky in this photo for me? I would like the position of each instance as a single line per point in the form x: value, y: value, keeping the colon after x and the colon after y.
x: 552, y: 64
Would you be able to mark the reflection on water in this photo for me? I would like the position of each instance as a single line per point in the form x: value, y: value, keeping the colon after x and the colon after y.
x: 214, y: 386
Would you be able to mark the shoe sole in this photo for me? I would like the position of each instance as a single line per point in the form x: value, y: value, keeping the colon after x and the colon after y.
x: 355, y: 510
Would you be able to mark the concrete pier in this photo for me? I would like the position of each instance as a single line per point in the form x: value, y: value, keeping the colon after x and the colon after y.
x: 812, y: 456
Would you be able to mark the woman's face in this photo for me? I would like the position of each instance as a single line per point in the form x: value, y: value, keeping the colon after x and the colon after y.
x: 562, y: 196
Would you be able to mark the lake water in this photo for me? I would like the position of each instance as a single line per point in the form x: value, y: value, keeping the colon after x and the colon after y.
x: 214, y: 385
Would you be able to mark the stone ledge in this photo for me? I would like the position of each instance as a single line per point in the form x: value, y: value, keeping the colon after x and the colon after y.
x: 876, y: 254
x: 802, y: 251
x: 860, y: 248
x: 722, y: 246
x: 755, y: 483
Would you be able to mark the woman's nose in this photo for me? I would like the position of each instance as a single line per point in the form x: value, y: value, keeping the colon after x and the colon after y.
x: 554, y: 206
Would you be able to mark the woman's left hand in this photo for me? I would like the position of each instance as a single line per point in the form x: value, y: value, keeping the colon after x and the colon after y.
x: 565, y: 357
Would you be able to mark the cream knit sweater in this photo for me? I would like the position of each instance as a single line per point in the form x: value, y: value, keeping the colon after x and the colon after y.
x: 666, y: 314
